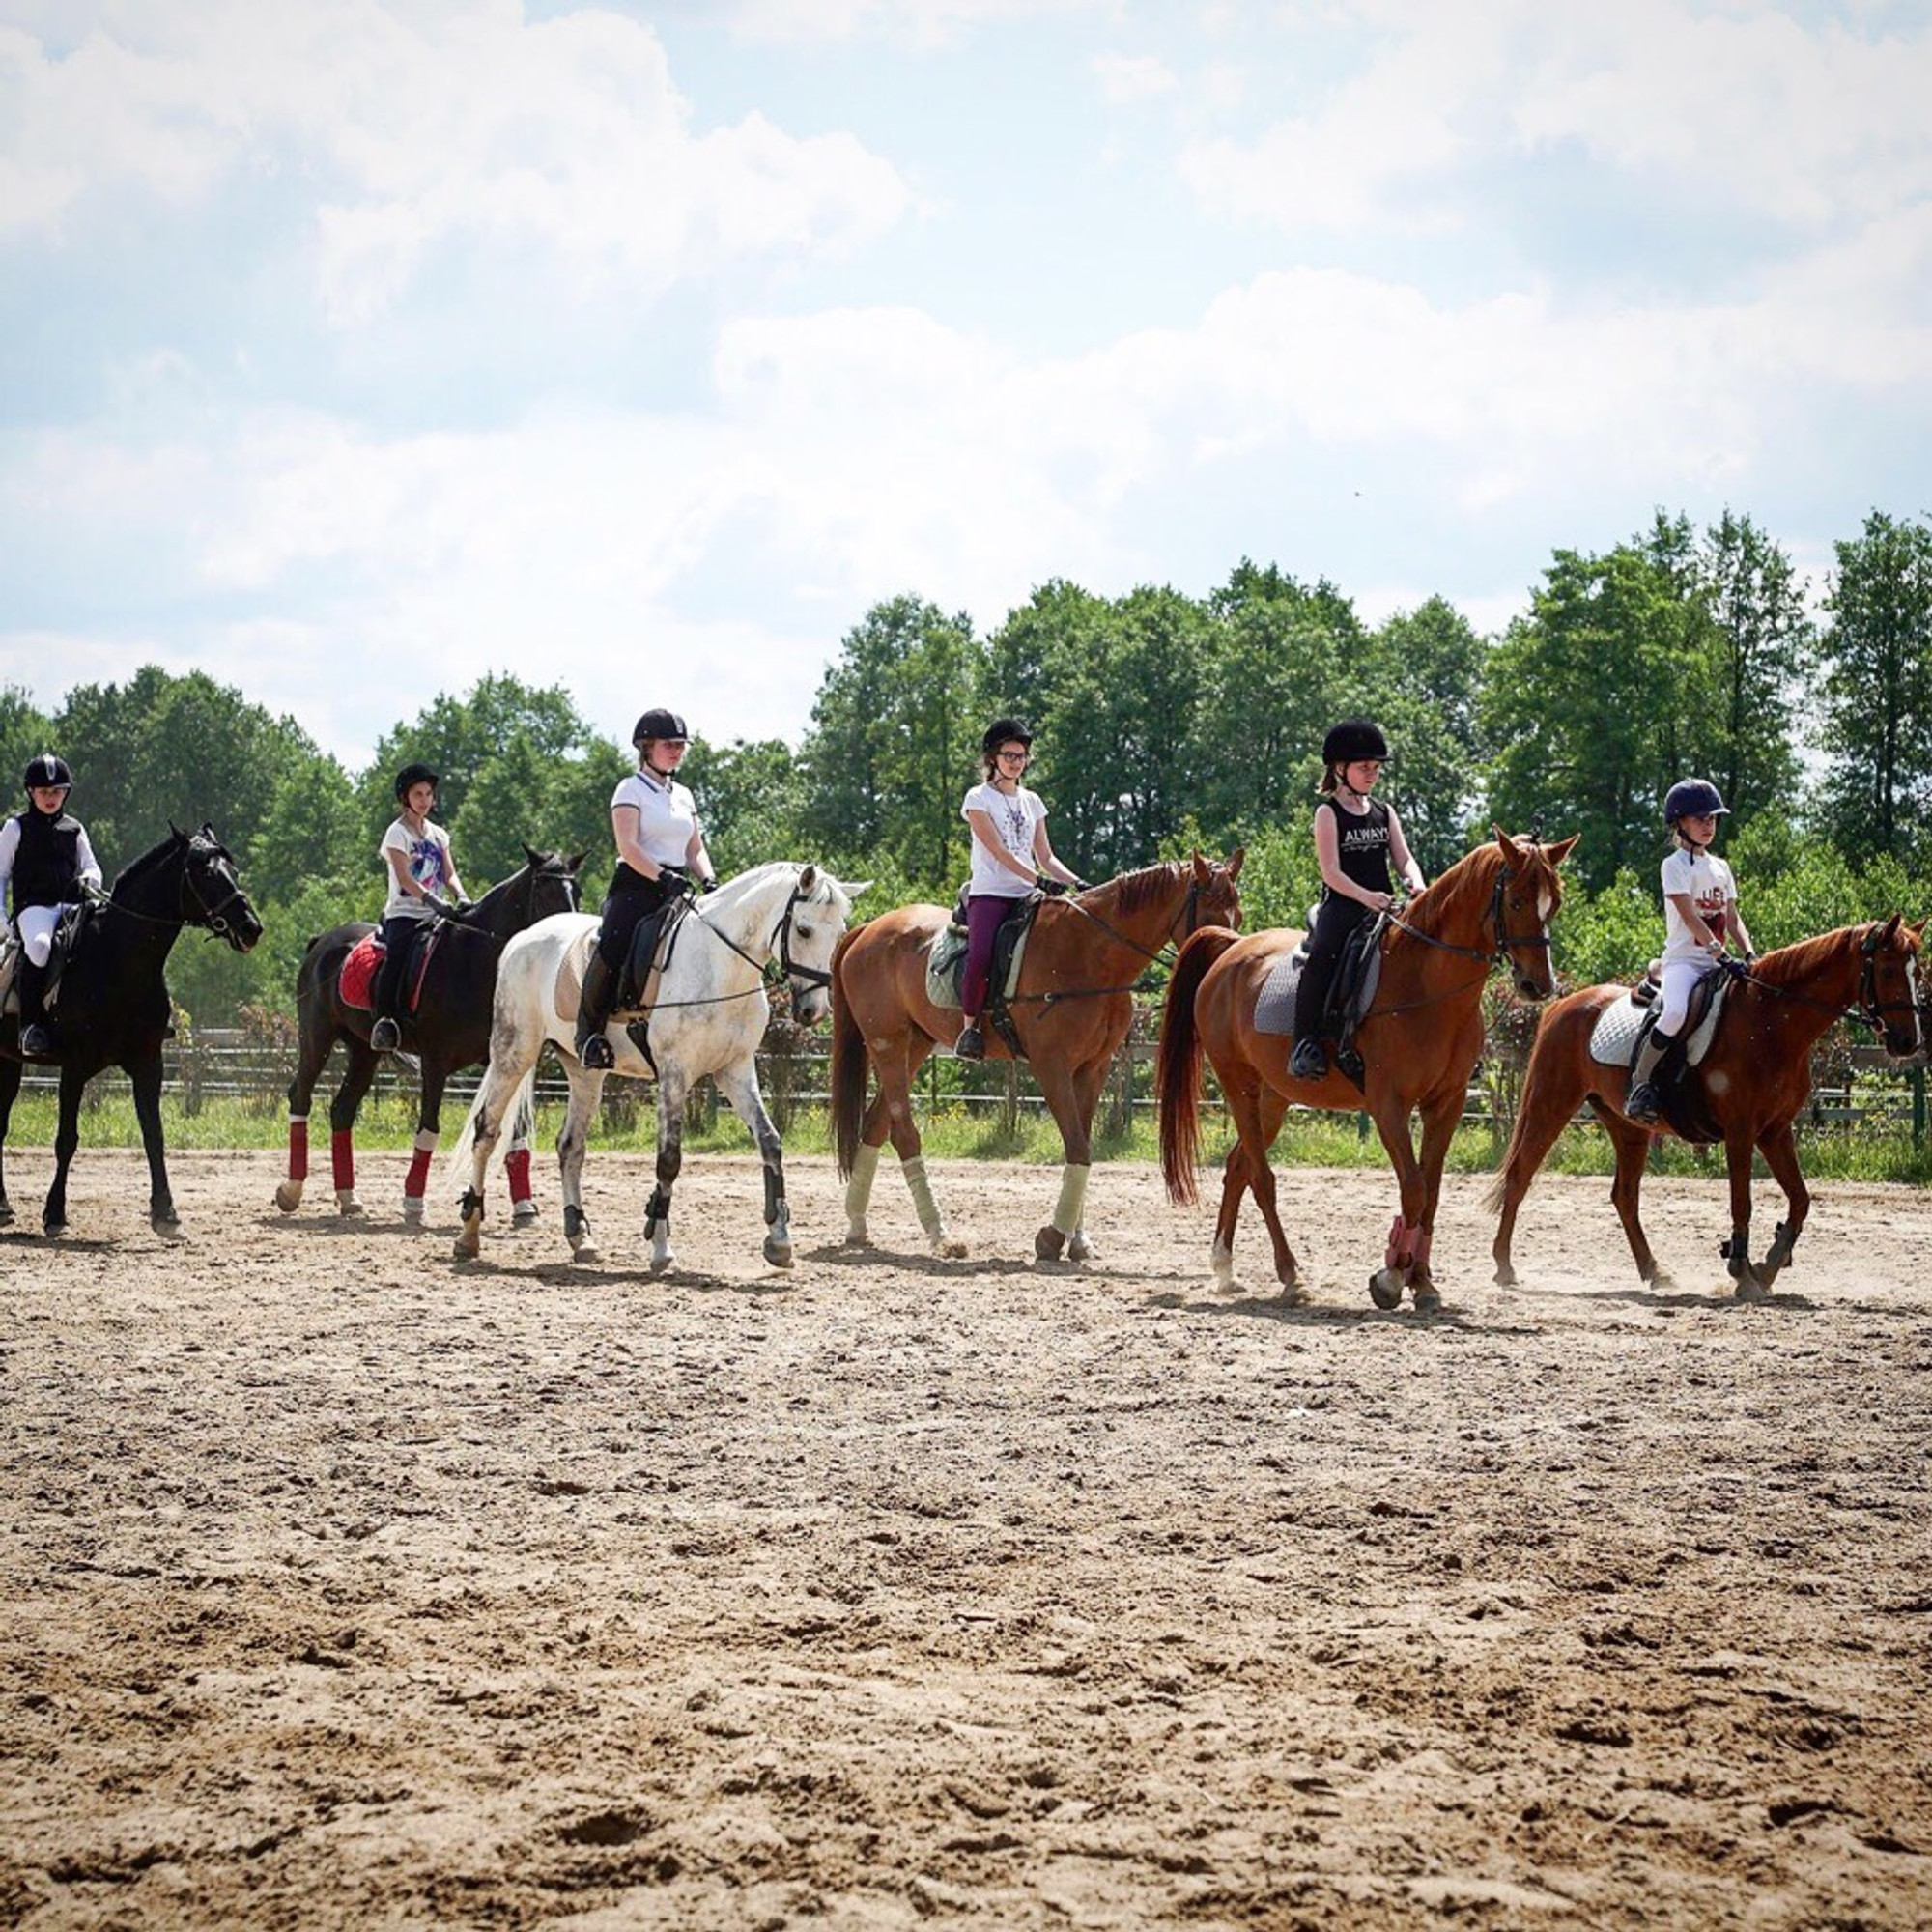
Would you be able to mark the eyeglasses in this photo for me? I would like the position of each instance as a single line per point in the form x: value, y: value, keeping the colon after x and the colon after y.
x: 1013, y: 757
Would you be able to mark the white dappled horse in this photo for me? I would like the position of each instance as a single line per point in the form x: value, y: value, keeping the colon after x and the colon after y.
x: 707, y: 1014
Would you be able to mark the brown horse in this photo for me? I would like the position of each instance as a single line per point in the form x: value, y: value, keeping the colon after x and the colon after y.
x: 1072, y: 1011
x: 1418, y: 1043
x: 1755, y: 1077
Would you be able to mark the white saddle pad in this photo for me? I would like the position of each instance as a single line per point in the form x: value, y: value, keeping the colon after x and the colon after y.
x: 1613, y: 1039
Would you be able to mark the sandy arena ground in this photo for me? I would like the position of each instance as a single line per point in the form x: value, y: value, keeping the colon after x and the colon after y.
x: 341, y: 1586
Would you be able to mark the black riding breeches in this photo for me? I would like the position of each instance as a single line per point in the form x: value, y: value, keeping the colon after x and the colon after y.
x: 622, y: 911
x: 399, y: 940
x: 1335, y: 920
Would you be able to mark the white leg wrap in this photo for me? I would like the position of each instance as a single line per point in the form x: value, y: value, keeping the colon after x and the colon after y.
x: 929, y: 1216
x: 858, y: 1189
x: 1072, y: 1203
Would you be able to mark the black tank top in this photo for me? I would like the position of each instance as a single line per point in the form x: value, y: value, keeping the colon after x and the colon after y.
x: 1362, y: 847
x: 46, y: 866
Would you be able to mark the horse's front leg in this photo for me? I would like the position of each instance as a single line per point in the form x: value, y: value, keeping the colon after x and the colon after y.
x: 1739, y: 1147
x: 342, y: 1112
x: 67, y: 1138
x: 10, y: 1071
x: 318, y: 1038
x: 1065, y: 1093
x: 1438, y: 1129
x: 145, y: 1074
x: 1392, y: 1118
x: 672, y: 1091
x: 740, y: 1085
x: 1781, y: 1155
x: 429, y: 1130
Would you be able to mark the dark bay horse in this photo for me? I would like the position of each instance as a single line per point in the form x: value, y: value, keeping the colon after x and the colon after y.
x: 114, y: 1008
x: 1753, y: 1081
x: 1418, y: 1043
x: 449, y: 1030
x: 1072, y: 1011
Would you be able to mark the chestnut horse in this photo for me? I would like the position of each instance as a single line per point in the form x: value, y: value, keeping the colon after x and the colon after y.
x: 1755, y: 1077
x: 1071, y: 1011
x: 1418, y: 1043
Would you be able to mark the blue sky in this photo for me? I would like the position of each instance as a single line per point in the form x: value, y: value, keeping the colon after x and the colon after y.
x: 350, y: 348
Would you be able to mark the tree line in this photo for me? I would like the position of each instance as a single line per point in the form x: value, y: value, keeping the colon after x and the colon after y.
x: 1165, y: 722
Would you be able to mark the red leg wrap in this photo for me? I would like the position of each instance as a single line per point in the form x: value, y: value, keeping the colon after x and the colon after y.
x: 517, y: 1165
x: 342, y: 1157
x: 298, y: 1149
x: 1394, y: 1254
x: 417, y: 1183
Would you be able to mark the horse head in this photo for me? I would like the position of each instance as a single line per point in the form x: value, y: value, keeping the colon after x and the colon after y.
x: 808, y: 933
x: 552, y: 882
x: 1893, y: 990
x: 1527, y: 894
x: 211, y: 895
x: 1213, y: 896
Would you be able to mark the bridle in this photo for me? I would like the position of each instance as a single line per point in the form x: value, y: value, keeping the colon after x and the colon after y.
x: 215, y: 917
x: 797, y: 979
x: 1869, y: 1010
x: 1506, y: 941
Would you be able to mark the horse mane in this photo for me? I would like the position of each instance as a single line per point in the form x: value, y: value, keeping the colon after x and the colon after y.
x: 135, y: 869
x: 1801, y: 958
x: 1135, y: 891
x: 1467, y: 879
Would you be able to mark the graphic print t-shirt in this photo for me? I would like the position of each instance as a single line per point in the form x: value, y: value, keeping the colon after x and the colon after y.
x: 1013, y: 821
x: 426, y: 861
x: 1707, y: 883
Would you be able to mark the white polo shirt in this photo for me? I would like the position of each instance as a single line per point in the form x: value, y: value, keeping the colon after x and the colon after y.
x: 666, y: 815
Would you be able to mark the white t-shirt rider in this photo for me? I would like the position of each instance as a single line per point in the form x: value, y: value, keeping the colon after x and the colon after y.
x: 1015, y: 818
x: 427, y: 862
x: 1706, y: 881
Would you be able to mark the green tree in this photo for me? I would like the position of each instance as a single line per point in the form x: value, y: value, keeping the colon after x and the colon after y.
x: 1878, y: 690
x: 752, y: 799
x: 25, y: 730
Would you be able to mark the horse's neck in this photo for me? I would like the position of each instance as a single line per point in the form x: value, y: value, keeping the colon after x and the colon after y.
x: 1451, y: 912
x: 151, y: 900
x: 1823, y: 986
x: 1143, y: 932
x: 504, y: 908
x: 748, y: 918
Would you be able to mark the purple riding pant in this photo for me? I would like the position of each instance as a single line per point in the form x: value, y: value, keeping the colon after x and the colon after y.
x: 985, y: 914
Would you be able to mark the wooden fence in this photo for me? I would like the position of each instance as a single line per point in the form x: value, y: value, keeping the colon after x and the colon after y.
x: 1854, y: 1087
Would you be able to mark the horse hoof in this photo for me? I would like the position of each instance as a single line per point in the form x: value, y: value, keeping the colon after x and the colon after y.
x: 412, y: 1212
x: 1294, y: 1296
x: 1049, y: 1244
x: 1385, y: 1288
x: 779, y: 1254
x: 6, y: 1214
x: 1428, y: 1301
x: 946, y: 1248
x: 1505, y: 1276
x: 53, y: 1229
x: 663, y: 1263
x: 856, y: 1237
x: 348, y: 1207
x: 524, y: 1212
x: 289, y: 1196
x: 1751, y: 1288
x: 1080, y: 1249
x: 586, y: 1252
x: 167, y: 1226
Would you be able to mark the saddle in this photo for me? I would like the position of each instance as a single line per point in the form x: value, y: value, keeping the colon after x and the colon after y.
x: 12, y: 954
x: 946, y: 963
x: 355, y: 983
x: 1352, y: 992
x: 1624, y: 1025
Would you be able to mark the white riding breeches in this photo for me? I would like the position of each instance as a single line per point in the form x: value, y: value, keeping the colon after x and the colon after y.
x: 37, y: 931
x: 1679, y: 976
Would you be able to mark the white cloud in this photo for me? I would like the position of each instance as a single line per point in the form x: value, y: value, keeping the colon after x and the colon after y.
x: 920, y: 22
x: 1126, y: 79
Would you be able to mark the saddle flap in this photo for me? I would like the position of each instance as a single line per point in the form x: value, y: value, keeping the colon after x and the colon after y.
x: 945, y: 954
x: 567, y: 995
x: 355, y: 983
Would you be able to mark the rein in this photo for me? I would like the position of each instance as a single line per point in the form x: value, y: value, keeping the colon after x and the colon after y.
x: 1491, y: 958
x: 789, y: 971
x: 1183, y: 923
x: 215, y: 916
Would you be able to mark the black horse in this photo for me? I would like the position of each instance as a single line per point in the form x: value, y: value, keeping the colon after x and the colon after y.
x: 449, y: 1030
x: 114, y: 1008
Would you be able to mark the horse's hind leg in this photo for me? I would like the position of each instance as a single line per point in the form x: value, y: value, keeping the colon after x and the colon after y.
x: 1541, y: 1118
x: 498, y: 1093
x: 342, y: 1112
x: 67, y: 1138
x: 741, y: 1088
x: 1632, y: 1148
x: 586, y: 1088
x: 317, y: 1042
x: 1258, y: 1112
x: 10, y: 1071
x: 1781, y: 1155
x: 1237, y: 1180
x: 429, y: 1130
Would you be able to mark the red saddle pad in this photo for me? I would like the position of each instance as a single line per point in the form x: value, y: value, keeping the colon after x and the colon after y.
x: 358, y: 973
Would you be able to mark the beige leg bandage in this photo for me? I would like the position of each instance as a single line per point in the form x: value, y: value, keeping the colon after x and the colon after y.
x: 1072, y: 1203
x: 929, y: 1216
x: 858, y: 1188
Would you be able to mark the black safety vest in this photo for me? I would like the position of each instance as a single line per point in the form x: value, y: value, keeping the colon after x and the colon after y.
x: 1362, y: 846
x: 46, y: 866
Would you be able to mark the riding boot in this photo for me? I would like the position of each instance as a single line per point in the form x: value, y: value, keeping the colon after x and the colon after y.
x: 386, y: 1034
x: 38, y: 1038
x: 600, y: 990
x: 1309, y: 1061
x: 971, y: 1043
x: 1644, y: 1102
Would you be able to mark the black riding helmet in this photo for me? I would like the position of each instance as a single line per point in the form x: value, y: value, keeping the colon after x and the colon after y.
x: 659, y: 723
x: 414, y: 775
x: 46, y: 770
x: 1004, y: 732
x: 1352, y: 739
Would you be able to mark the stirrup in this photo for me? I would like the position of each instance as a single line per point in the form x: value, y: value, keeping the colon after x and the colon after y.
x: 1644, y: 1103
x: 970, y: 1044
x: 1310, y: 1061
x: 38, y: 1041
x: 594, y: 1052
x: 385, y: 1036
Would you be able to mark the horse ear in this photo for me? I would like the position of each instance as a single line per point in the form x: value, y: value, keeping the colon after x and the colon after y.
x: 176, y: 829
x: 1562, y: 849
x: 852, y: 887
x: 1919, y: 930
x: 530, y: 854
x: 1511, y: 849
x: 1889, y: 928
x: 575, y: 861
x: 1202, y: 868
x: 808, y: 880
x: 1236, y: 858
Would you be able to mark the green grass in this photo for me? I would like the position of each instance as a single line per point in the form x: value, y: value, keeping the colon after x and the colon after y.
x: 958, y: 1133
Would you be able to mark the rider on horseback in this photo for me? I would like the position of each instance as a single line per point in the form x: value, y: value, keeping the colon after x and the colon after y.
x: 46, y: 857
x: 421, y: 874
x: 661, y: 854
x: 1700, y: 911
x: 1356, y: 836
x: 1011, y: 859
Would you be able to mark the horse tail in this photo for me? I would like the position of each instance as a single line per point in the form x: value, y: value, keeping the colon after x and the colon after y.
x: 1530, y: 1135
x: 848, y: 1066
x: 517, y: 1122
x: 1177, y: 1062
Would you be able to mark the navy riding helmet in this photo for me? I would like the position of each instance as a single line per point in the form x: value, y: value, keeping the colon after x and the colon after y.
x: 1694, y: 798
x: 1352, y: 739
x: 46, y: 770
